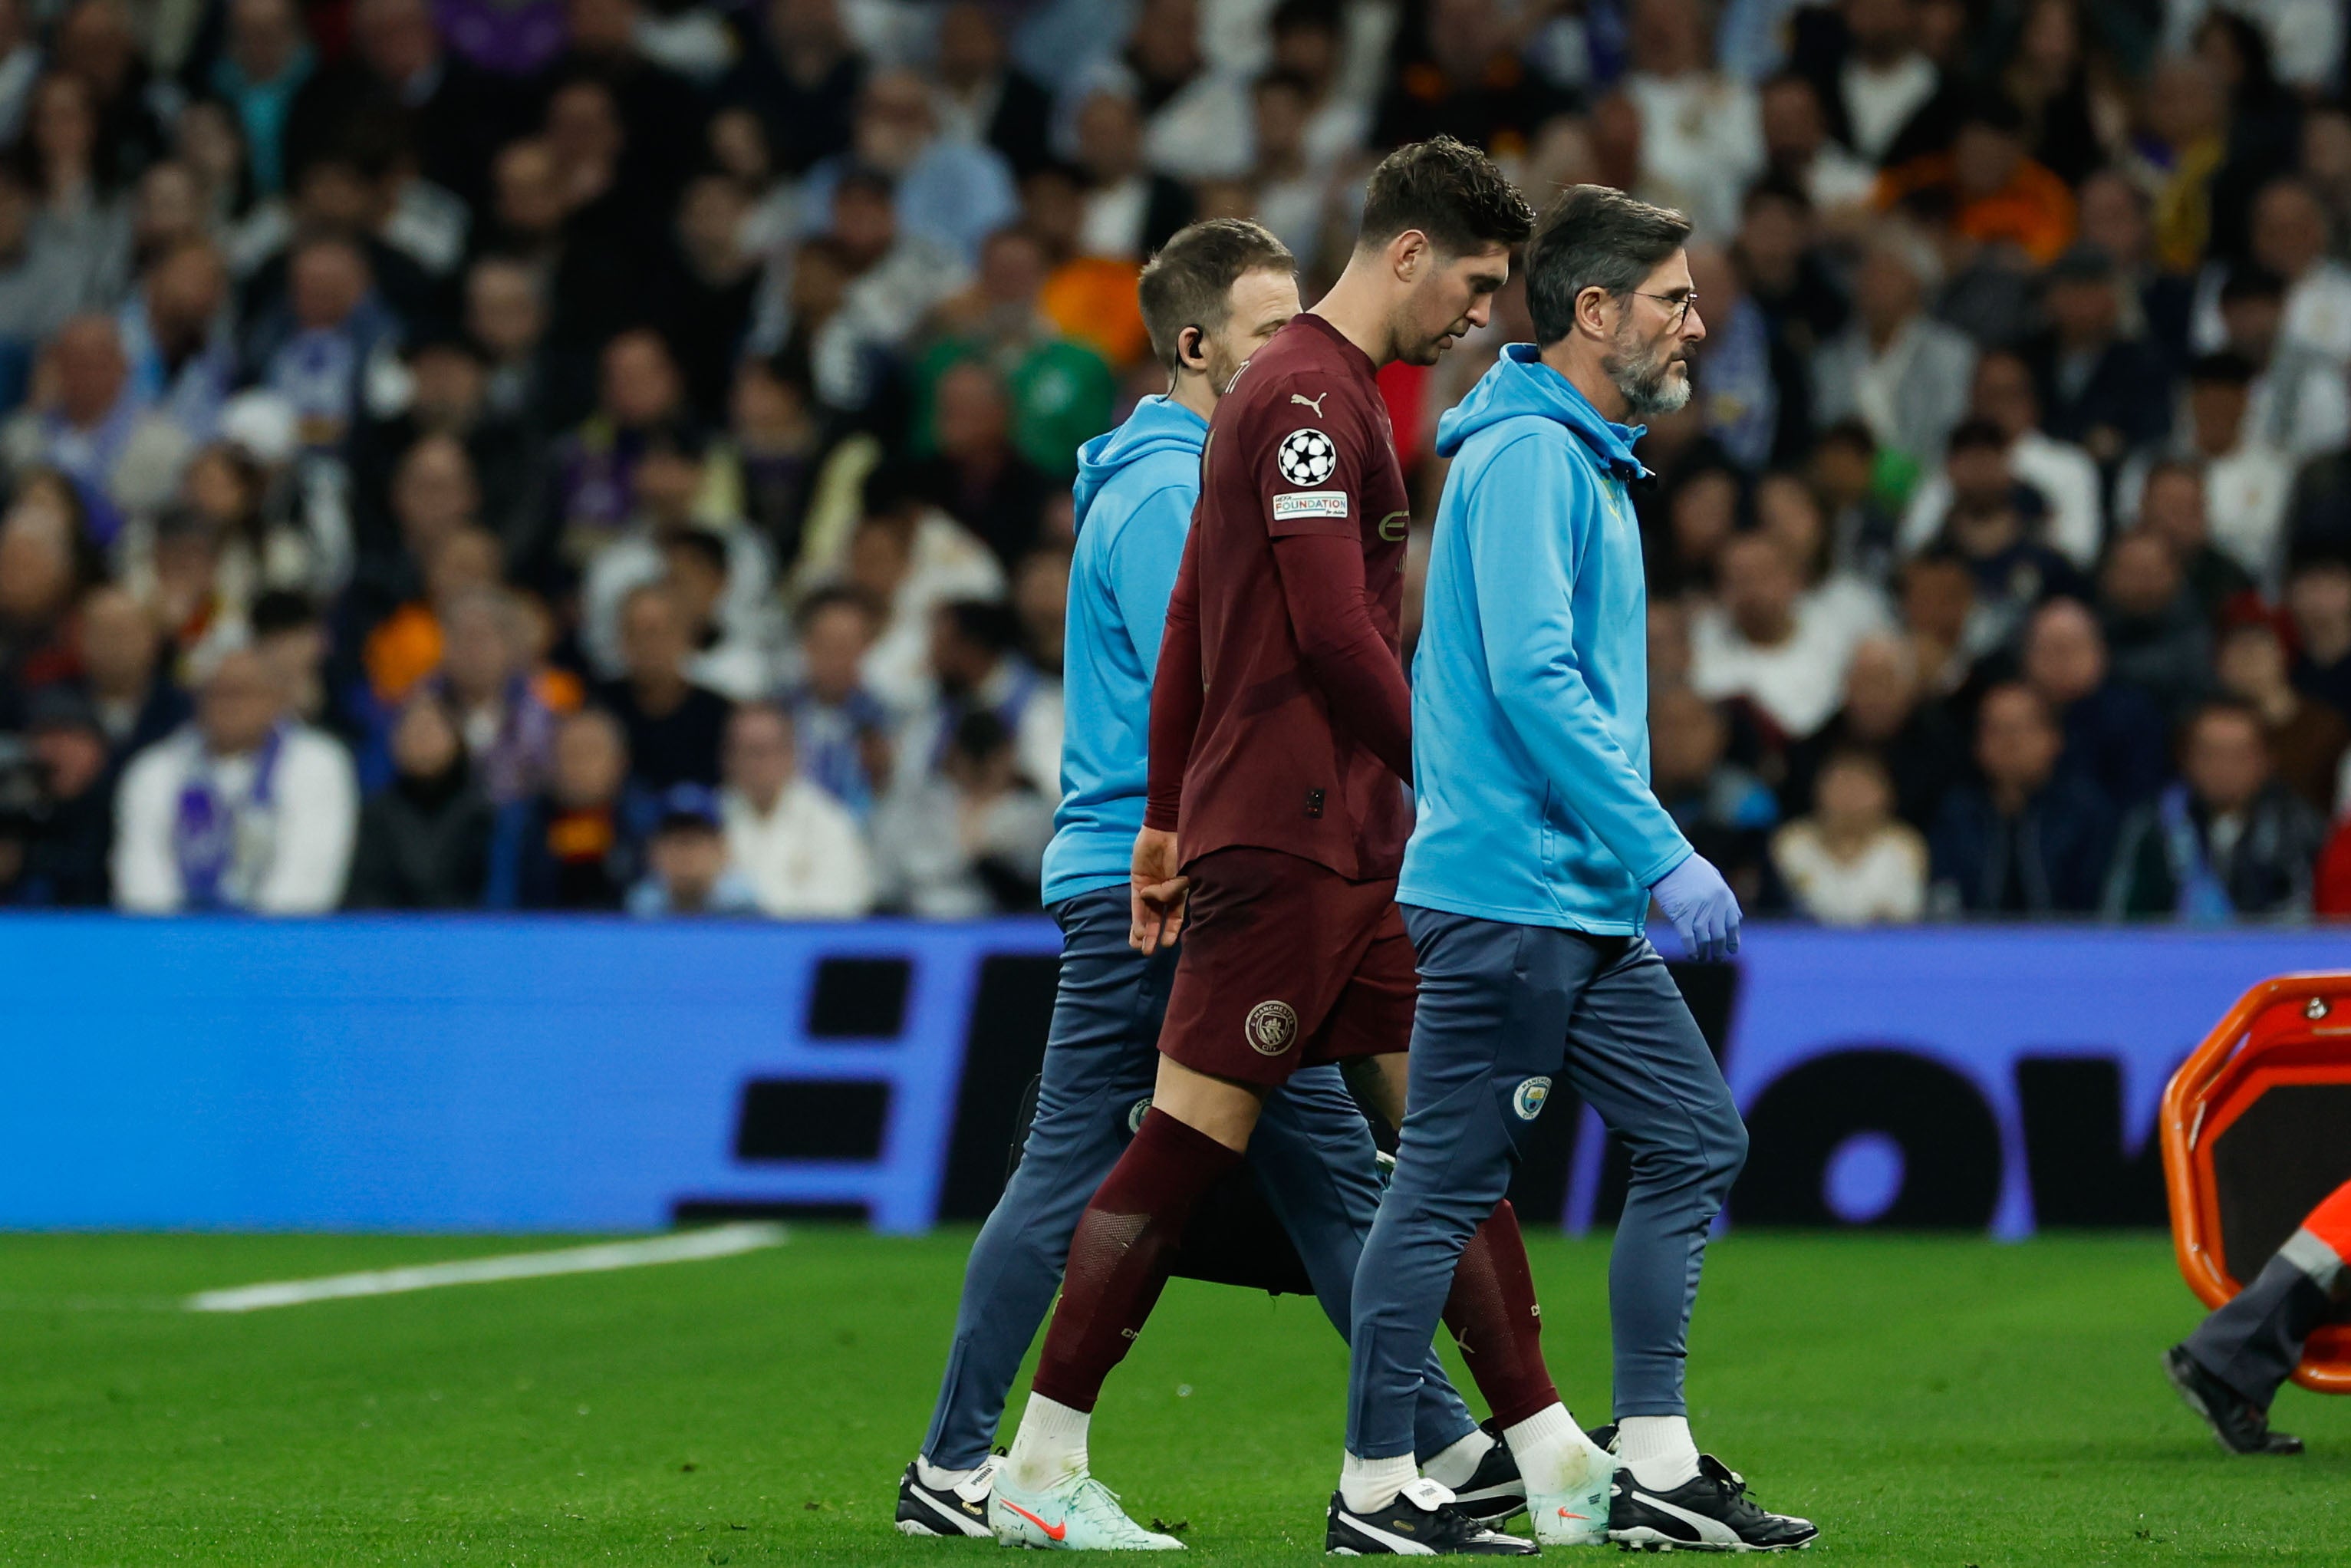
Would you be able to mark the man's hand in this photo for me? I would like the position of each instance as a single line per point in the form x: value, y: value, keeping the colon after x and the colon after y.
x: 1701, y: 906
x: 1156, y: 892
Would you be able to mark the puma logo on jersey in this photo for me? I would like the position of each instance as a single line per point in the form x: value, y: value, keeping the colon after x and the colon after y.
x: 1313, y: 403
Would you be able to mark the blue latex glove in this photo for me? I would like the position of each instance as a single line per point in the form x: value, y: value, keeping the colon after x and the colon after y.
x: 1701, y: 906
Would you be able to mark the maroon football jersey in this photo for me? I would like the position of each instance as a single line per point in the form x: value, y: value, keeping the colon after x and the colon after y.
x: 1301, y: 444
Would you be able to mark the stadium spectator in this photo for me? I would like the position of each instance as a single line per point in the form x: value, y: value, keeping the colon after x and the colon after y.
x: 1887, y: 714
x: 506, y: 712
x: 1873, y: 74
x: 982, y: 98
x: 2115, y: 732
x: 1721, y: 807
x: 1994, y: 527
x: 39, y: 576
x: 2307, y: 739
x: 2318, y: 597
x: 2158, y: 638
x: 424, y: 839
x: 2295, y: 402
x: 292, y: 638
x: 2246, y: 481
x: 2002, y: 397
x: 673, y: 727
x: 2029, y: 837
x: 175, y: 337
x: 1768, y: 642
x: 978, y: 478
x: 1128, y: 209
x: 1902, y: 373
x: 687, y: 867
x: 64, y: 858
x: 968, y: 839
x: 950, y: 192
x: 2229, y: 840
x: 407, y: 645
x: 641, y: 397
x: 668, y: 481
x: 134, y: 701
x: 1851, y: 861
x: 2171, y: 507
x: 2289, y: 237
x: 802, y: 73
x: 1701, y: 133
x: 840, y: 731
x: 1060, y: 390
x: 1799, y: 152
x: 797, y: 846
x: 241, y: 810
x: 2099, y: 386
x: 92, y: 427
x: 976, y: 666
x: 1744, y: 380
x: 571, y: 846
x: 1460, y: 76
x: 315, y: 348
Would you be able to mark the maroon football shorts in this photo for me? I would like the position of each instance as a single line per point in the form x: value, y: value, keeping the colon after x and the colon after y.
x: 1286, y: 963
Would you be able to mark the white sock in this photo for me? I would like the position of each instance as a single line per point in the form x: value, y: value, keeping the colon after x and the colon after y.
x: 1455, y: 1463
x: 1369, y: 1484
x: 1658, y: 1450
x: 930, y: 1475
x: 1051, y: 1445
x: 1550, y: 1448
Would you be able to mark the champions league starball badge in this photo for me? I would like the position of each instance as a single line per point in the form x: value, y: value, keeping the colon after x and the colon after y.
x: 1306, y: 457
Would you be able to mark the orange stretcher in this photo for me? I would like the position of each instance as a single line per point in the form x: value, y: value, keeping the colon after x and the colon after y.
x: 2256, y: 1130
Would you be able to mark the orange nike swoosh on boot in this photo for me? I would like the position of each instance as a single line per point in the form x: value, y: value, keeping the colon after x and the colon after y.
x: 1052, y: 1532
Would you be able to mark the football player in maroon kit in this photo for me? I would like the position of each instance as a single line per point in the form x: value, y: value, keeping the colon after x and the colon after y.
x: 1281, y: 732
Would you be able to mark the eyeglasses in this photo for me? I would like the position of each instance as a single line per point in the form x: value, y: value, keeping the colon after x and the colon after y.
x: 1681, y: 303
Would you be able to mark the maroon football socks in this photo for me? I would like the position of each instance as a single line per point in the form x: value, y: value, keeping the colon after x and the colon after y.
x: 1118, y: 1258
x: 1496, y: 1321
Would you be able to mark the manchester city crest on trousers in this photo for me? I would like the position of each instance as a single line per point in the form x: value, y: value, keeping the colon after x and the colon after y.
x: 1270, y: 1028
x: 1527, y: 1098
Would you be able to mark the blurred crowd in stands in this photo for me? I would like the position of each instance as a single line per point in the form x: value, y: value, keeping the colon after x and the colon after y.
x: 604, y: 454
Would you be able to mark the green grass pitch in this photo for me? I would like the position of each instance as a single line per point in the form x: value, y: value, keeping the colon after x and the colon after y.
x: 1927, y: 1401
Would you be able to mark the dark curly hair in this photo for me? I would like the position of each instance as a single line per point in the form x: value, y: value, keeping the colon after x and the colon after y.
x: 1448, y: 190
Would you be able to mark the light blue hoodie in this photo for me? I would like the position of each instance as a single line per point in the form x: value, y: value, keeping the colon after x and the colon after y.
x: 1530, y: 690
x: 1135, y: 494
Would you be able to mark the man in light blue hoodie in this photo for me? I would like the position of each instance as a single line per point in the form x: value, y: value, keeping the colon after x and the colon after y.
x: 1211, y: 297
x: 1536, y: 850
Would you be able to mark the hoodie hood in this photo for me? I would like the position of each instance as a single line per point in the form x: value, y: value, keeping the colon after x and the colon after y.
x: 1519, y: 383
x: 1159, y: 427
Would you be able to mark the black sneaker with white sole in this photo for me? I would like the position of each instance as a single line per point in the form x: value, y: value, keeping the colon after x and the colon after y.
x: 959, y: 1509
x: 1709, y: 1512
x: 1421, y: 1523
x: 1495, y: 1493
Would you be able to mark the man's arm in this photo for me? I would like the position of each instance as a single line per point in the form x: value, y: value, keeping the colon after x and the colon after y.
x: 1525, y: 577
x: 1313, y: 511
x: 1322, y: 584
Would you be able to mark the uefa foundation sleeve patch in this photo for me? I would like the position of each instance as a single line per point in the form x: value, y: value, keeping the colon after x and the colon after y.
x: 1310, y: 504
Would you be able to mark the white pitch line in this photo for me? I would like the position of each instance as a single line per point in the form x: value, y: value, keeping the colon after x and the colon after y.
x: 718, y: 1241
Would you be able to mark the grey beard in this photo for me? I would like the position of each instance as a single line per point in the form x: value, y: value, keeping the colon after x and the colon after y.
x: 1647, y: 385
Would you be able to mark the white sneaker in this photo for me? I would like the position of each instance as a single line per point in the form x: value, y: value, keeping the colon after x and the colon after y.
x: 1568, y: 1507
x: 1079, y: 1514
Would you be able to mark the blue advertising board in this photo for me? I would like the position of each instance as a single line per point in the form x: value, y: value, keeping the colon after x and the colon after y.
x: 464, y: 1073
